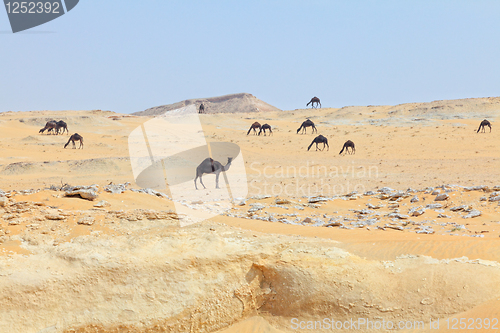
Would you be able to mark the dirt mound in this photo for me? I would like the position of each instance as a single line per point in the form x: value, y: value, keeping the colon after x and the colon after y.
x: 234, y: 103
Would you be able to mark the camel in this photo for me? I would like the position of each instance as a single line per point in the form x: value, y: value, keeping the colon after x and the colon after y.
x: 201, y: 109
x: 73, y: 138
x: 307, y: 123
x: 210, y: 166
x: 348, y: 144
x: 483, y: 125
x: 63, y: 125
x: 264, y: 128
x: 319, y: 139
x: 52, y: 124
x: 254, y: 126
x: 314, y: 100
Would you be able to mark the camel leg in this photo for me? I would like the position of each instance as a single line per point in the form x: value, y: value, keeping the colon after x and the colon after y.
x: 217, y: 180
x: 201, y: 181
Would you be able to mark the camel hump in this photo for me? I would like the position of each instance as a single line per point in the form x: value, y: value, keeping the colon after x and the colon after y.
x: 213, y: 166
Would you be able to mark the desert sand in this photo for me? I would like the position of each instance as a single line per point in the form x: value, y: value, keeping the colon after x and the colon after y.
x: 319, y: 235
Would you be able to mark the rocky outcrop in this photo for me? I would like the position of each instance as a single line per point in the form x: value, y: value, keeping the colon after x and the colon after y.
x: 234, y: 103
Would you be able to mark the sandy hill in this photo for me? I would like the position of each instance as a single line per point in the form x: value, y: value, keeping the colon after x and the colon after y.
x: 234, y: 103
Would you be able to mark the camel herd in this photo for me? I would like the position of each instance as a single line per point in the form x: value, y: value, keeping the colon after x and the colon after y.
x: 303, y: 129
x: 262, y: 128
x: 209, y: 166
x: 349, y: 146
x: 53, y: 126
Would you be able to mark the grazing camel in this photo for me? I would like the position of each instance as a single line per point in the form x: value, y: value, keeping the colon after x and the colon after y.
x: 483, y: 125
x: 73, y: 138
x: 210, y: 166
x: 314, y: 100
x: 264, y: 128
x: 307, y: 123
x: 63, y: 125
x: 52, y: 124
x: 348, y: 144
x: 254, y: 126
x: 201, y: 109
x: 319, y: 139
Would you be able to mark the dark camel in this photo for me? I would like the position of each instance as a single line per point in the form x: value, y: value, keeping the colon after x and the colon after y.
x: 63, y: 125
x: 201, y: 109
x: 73, y: 138
x: 348, y: 144
x: 319, y: 139
x: 305, y: 124
x: 52, y: 124
x: 264, y: 128
x: 254, y: 127
x: 483, y: 125
x: 314, y: 100
x: 209, y: 166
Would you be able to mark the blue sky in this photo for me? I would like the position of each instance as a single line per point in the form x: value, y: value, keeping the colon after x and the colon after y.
x: 127, y: 56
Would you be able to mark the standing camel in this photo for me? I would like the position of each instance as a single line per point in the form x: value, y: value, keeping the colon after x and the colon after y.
x: 314, y: 100
x: 348, y: 144
x: 73, y: 138
x: 307, y: 123
x: 264, y: 128
x: 319, y: 139
x: 483, y: 125
x: 209, y: 166
x: 52, y: 124
x: 254, y: 126
x: 201, y: 109
x: 63, y: 125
